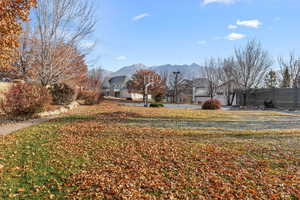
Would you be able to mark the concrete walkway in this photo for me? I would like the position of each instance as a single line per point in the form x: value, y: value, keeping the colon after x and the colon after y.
x: 13, y: 127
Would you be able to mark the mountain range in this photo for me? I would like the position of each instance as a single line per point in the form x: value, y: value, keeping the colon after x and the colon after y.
x: 188, y: 71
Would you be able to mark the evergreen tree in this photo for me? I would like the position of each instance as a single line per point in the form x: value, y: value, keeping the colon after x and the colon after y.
x: 271, y: 79
x: 286, y: 80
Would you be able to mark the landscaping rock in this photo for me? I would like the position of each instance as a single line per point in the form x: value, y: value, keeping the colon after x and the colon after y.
x: 65, y: 109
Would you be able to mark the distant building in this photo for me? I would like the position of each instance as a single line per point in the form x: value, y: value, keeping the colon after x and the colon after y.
x: 117, y: 87
x: 185, y: 93
x: 201, y: 91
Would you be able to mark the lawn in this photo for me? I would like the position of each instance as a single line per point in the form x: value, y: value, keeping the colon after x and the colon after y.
x: 112, y: 151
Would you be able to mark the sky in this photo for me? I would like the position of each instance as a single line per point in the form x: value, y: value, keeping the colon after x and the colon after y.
x: 157, y: 32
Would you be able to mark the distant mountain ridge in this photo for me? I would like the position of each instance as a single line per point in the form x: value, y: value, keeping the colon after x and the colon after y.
x: 188, y: 71
x: 129, y: 70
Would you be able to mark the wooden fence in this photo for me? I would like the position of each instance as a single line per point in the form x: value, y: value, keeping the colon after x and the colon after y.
x: 280, y: 97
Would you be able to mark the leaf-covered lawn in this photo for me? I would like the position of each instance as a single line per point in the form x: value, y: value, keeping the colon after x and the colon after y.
x: 104, y: 152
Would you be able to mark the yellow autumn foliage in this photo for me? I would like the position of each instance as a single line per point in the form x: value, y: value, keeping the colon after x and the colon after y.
x: 12, y: 12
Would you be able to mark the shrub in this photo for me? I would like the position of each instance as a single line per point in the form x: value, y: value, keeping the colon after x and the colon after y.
x: 212, y: 104
x: 88, y: 97
x: 199, y: 102
x: 156, y: 105
x: 62, y: 94
x: 269, y: 104
x: 25, y: 100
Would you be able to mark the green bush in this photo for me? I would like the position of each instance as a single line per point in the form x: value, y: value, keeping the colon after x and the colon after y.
x: 156, y: 105
x: 25, y: 100
x: 211, y: 104
x: 62, y: 94
x: 88, y: 97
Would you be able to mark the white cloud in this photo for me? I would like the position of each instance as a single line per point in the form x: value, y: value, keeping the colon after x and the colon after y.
x: 249, y: 23
x: 232, y: 26
x: 235, y: 36
x: 121, y: 58
x: 205, y: 2
x: 141, y: 16
x: 201, y: 42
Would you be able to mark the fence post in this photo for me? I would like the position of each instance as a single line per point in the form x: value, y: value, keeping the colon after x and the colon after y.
x: 296, y: 97
x: 274, y: 96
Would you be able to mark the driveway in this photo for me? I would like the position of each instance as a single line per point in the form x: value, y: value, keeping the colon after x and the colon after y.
x: 180, y: 106
x: 183, y: 106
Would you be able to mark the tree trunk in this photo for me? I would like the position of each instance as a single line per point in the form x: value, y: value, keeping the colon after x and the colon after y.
x: 232, y: 99
x: 145, y: 100
x: 229, y: 100
x: 228, y: 95
x: 245, y: 98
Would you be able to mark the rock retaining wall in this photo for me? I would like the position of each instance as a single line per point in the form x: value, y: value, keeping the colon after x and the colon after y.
x: 62, y: 110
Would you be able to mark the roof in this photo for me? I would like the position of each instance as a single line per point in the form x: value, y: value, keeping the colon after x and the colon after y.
x: 200, y: 82
x: 118, y: 81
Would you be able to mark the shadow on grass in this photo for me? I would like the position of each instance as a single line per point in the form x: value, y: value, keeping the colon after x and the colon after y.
x: 73, y: 118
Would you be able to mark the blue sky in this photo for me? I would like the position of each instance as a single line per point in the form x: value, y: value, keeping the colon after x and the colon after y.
x: 155, y: 32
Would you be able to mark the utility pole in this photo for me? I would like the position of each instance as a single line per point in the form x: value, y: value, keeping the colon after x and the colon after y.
x: 176, y: 87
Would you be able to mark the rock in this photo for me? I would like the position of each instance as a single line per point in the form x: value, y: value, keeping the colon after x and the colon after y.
x: 60, y: 111
x: 73, y: 105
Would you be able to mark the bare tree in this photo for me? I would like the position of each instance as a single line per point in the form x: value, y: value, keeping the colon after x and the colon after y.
x: 211, y: 71
x: 226, y: 76
x: 94, y: 79
x: 252, y: 63
x: 22, y: 66
x: 67, y: 65
x: 293, y: 66
x: 176, y: 85
x: 164, y: 77
x: 58, y: 22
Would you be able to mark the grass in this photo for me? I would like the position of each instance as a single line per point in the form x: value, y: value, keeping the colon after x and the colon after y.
x: 113, y: 151
x: 34, y: 164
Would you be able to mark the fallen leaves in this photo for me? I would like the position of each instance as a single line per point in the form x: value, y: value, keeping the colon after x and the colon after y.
x: 20, y: 190
x: 100, y: 154
x: 129, y: 162
x: 162, y: 168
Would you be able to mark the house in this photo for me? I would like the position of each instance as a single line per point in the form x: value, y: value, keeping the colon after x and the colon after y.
x: 224, y: 92
x: 228, y: 90
x: 200, y: 90
x: 184, y: 90
x: 117, y: 87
